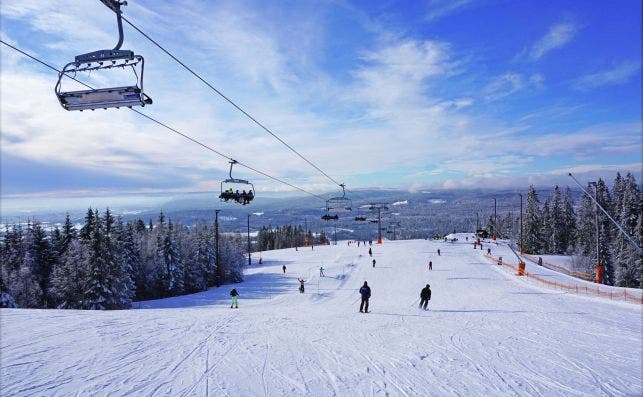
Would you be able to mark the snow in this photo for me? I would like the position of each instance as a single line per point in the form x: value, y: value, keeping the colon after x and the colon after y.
x: 487, y: 332
x: 405, y: 202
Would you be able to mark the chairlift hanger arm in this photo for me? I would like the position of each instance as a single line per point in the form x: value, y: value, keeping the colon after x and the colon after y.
x: 115, y: 5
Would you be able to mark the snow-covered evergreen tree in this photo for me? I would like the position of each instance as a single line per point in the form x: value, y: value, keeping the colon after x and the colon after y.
x: 23, y: 285
x: 605, y: 232
x: 568, y: 234
x: 125, y: 259
x: 586, y: 226
x: 69, y: 276
x: 532, y: 236
x: 38, y: 248
x: 628, y: 207
x: 97, y: 293
x: 547, y: 229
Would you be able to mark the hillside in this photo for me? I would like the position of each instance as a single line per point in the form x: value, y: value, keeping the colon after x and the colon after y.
x: 486, y: 333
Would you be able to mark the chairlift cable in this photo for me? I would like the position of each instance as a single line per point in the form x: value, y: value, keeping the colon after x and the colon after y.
x: 230, y: 101
x: 170, y: 128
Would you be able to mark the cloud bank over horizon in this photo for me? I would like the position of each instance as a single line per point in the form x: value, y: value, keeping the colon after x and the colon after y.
x: 401, y: 95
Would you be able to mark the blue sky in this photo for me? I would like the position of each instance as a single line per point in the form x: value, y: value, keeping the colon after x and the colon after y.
x: 411, y: 94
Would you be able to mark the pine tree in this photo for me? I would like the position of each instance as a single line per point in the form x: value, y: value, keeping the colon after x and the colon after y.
x: 547, y: 229
x: 97, y: 293
x: 586, y: 227
x: 625, y: 255
x: 69, y: 277
x: 68, y: 234
x: 38, y: 248
x: 24, y: 286
x: 87, y: 230
x: 605, y: 232
x: 125, y: 259
x: 568, y: 235
x: 532, y: 238
x: 557, y: 220
x: 172, y: 258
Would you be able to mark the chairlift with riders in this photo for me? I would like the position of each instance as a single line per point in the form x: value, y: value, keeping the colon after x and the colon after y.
x: 230, y: 188
x: 101, y: 61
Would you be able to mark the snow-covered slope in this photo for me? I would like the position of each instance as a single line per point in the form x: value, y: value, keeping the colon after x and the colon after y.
x: 486, y: 333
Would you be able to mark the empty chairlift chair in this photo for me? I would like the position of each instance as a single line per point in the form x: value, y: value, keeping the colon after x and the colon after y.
x: 342, y: 203
x: 106, y: 63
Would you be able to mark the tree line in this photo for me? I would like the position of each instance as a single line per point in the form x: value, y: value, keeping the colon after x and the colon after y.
x: 287, y: 236
x: 108, y: 263
x: 559, y: 225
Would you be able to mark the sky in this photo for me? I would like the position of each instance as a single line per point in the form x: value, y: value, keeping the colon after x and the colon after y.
x: 389, y: 94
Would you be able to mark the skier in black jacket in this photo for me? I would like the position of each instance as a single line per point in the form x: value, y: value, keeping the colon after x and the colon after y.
x: 234, y: 294
x: 425, y: 296
x: 365, y: 291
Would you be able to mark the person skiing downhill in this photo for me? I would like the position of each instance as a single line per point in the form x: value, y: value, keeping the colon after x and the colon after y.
x: 284, y: 268
x: 438, y: 251
x: 301, y: 285
x: 234, y: 294
x: 430, y: 265
x: 373, y: 262
x: 370, y: 252
x: 321, y: 272
x: 365, y: 292
x: 425, y: 297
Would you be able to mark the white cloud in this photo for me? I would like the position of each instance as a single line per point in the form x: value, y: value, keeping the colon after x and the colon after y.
x: 386, y: 114
x: 559, y: 176
x: 557, y: 36
x: 619, y: 74
x: 502, y: 86
x: 438, y: 9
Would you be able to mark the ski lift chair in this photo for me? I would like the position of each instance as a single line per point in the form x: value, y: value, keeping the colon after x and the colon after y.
x: 230, y: 189
x: 328, y: 217
x: 342, y: 203
x: 99, y: 61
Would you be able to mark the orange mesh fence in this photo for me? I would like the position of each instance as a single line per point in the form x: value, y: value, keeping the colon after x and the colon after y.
x: 586, y: 289
x: 561, y: 269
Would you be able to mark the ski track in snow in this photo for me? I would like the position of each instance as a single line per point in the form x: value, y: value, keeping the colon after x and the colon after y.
x: 486, y: 332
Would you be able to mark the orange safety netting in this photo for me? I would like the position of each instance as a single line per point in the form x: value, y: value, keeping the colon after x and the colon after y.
x: 551, y: 266
x: 625, y: 295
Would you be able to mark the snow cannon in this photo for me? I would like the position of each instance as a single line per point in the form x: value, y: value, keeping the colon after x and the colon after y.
x: 598, y: 273
x: 521, y: 269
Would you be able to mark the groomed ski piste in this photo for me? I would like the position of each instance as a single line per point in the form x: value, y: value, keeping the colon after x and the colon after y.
x: 487, y: 333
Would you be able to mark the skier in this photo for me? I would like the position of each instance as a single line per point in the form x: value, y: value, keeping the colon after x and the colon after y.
x: 321, y: 272
x: 430, y: 265
x: 488, y: 251
x: 358, y: 243
x: 373, y: 262
x: 234, y: 294
x: 370, y: 242
x: 438, y: 251
x: 284, y: 268
x: 370, y: 252
x: 425, y: 297
x: 301, y: 285
x: 365, y: 291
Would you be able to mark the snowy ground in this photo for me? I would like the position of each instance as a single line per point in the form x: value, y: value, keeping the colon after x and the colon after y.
x: 487, y: 333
